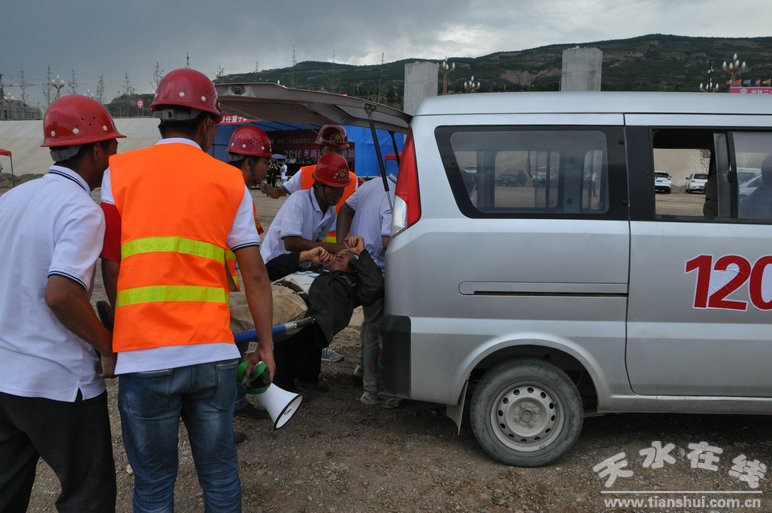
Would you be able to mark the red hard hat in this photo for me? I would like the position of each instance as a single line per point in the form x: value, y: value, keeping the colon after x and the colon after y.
x: 332, y: 170
x: 250, y: 140
x: 333, y: 136
x: 187, y: 88
x: 73, y: 120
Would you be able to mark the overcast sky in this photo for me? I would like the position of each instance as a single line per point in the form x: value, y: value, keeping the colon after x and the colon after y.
x: 114, y: 38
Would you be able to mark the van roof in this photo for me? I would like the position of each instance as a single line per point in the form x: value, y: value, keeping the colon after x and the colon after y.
x: 597, y: 102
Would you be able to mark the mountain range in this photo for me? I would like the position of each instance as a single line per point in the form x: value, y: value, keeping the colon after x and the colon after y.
x: 654, y: 62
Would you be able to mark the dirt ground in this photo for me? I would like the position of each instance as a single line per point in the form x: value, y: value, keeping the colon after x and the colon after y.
x: 337, y: 455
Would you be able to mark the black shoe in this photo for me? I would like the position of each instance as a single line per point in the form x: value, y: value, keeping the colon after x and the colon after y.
x: 239, y: 436
x: 250, y: 411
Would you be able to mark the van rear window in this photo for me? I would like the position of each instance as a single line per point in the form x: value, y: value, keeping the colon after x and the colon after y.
x: 517, y: 170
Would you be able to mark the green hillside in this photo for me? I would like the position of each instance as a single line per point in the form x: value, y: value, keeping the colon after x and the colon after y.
x: 648, y: 63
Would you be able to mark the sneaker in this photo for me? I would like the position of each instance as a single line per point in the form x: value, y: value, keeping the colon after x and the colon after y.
x: 328, y: 355
x: 369, y: 399
x: 239, y: 436
x: 359, y: 372
x: 250, y: 411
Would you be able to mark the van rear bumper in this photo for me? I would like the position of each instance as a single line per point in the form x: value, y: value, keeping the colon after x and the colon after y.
x: 395, y: 331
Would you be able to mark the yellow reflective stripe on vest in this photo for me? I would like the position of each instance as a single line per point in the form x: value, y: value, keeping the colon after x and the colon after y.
x: 160, y: 293
x: 174, y: 245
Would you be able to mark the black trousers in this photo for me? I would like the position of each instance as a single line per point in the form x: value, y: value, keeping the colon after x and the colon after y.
x: 72, y: 438
x: 299, y: 356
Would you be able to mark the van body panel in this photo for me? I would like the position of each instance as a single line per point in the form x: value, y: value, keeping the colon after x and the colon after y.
x: 677, y: 348
x: 447, y: 359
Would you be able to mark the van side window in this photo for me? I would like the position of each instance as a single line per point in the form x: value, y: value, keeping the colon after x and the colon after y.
x: 708, y: 174
x: 497, y: 171
x: 753, y: 154
x: 684, y: 174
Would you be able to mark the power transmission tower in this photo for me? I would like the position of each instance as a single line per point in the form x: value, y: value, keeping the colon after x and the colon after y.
x: 23, y: 86
x: 99, y: 95
x: 73, y: 84
x: 47, y: 87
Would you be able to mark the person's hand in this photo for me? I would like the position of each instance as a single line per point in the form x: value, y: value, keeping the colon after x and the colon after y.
x: 265, y: 355
x: 355, y: 244
x: 108, y: 365
x: 272, y: 192
x: 317, y: 255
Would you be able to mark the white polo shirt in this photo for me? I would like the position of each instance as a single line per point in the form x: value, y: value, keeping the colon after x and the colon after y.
x: 300, y: 216
x: 294, y: 183
x: 50, y: 226
x: 243, y: 233
x: 373, y: 214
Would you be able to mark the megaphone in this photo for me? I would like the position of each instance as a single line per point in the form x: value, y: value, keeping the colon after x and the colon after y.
x: 280, y: 404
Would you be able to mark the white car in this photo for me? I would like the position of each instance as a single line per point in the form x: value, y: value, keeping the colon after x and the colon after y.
x: 662, y: 182
x: 695, y: 182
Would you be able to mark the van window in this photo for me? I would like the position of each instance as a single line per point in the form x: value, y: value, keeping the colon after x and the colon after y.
x: 732, y: 162
x: 754, y: 174
x: 520, y: 171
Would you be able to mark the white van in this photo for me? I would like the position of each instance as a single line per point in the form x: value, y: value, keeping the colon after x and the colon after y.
x: 576, y: 289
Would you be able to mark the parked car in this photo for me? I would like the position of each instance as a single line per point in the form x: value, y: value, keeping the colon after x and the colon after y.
x: 695, y: 182
x: 511, y: 178
x: 662, y: 182
x: 744, y: 174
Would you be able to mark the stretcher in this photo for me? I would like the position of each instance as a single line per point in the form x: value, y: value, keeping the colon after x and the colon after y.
x: 280, y: 331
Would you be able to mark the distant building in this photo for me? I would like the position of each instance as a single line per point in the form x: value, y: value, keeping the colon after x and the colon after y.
x: 12, y: 109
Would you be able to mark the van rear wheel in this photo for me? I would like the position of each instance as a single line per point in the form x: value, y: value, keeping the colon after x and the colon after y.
x: 526, y: 413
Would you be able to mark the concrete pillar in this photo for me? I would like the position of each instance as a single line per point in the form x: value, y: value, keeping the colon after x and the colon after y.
x: 420, y: 82
x: 581, y: 69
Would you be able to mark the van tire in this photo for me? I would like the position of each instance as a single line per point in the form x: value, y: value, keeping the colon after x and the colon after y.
x: 526, y: 413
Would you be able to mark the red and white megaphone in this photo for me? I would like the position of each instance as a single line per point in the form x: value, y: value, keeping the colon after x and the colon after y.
x: 280, y: 404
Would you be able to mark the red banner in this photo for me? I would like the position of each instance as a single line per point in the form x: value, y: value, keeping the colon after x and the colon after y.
x: 751, y: 90
x: 299, y: 146
x: 233, y: 119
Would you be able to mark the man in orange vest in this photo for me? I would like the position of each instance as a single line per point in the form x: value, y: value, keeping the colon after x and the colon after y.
x: 172, y: 212
x: 331, y: 139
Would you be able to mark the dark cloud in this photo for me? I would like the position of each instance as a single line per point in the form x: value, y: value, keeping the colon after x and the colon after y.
x: 89, y: 38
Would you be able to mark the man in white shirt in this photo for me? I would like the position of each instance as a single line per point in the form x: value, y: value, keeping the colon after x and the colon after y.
x: 368, y: 214
x: 53, y: 403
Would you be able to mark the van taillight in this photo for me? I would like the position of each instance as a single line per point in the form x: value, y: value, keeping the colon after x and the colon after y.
x: 408, y: 210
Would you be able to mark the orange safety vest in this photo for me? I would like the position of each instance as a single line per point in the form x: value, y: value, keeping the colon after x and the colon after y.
x: 177, y: 205
x: 307, y: 181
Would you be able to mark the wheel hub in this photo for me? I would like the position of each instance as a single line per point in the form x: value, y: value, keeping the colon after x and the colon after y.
x: 527, y: 417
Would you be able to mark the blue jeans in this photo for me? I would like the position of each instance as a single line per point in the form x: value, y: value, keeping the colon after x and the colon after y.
x: 151, y: 404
